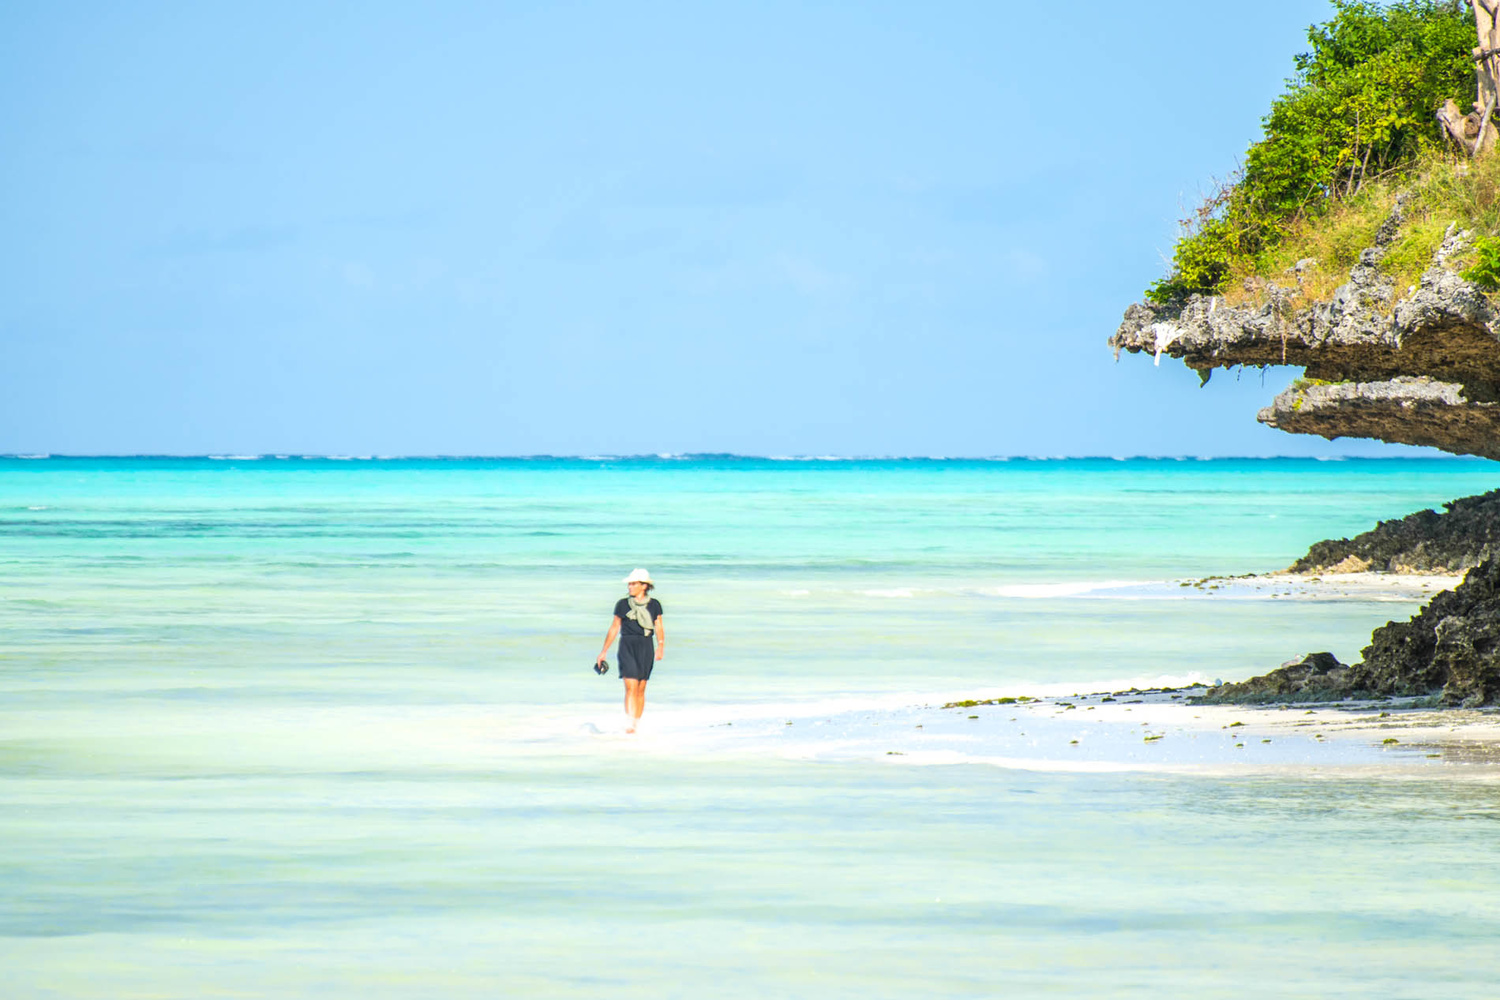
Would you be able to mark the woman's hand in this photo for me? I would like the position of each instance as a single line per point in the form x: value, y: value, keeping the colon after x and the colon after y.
x: 661, y: 651
x: 609, y: 640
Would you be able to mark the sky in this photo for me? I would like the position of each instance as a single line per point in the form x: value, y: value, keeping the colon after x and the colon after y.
x: 617, y: 228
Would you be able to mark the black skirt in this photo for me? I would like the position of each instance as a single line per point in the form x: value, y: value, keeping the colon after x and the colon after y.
x: 637, y: 654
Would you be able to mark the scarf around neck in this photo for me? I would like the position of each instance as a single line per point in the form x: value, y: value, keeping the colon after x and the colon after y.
x: 640, y: 611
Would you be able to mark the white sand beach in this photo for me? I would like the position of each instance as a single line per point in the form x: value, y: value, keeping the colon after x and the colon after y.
x: 1331, y: 586
x: 1141, y: 730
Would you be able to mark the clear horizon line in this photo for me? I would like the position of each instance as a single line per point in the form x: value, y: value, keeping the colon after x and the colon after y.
x: 679, y: 456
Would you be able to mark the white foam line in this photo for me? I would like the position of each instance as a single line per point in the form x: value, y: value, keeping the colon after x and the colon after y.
x: 1070, y: 589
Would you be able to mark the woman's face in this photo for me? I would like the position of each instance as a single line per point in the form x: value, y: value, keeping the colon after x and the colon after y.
x: 637, y: 589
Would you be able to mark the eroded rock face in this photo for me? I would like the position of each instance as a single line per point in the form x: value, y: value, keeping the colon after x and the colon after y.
x: 1404, y: 410
x: 1447, y: 329
x: 1423, y: 369
x: 1464, y: 535
x: 1468, y: 649
x: 1449, y: 650
x: 1451, y: 647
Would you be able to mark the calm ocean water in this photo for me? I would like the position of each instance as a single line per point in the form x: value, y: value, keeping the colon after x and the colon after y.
x: 307, y: 727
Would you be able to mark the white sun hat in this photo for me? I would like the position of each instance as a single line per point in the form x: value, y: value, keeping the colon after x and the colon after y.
x: 640, y: 576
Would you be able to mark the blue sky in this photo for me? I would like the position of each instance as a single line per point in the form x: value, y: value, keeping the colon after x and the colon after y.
x: 574, y: 228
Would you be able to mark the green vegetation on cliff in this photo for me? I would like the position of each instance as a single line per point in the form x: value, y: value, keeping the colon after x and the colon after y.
x: 1436, y: 192
x: 1356, y: 119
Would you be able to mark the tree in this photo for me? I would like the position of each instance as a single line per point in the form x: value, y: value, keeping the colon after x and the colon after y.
x: 1359, y: 107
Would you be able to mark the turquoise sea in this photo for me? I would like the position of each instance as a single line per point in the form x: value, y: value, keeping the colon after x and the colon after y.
x: 308, y: 727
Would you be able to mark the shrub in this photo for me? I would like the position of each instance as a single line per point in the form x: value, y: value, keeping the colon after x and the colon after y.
x: 1359, y: 107
x: 1486, y: 270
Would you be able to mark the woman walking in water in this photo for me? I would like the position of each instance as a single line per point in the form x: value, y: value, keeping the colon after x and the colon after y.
x: 643, y: 641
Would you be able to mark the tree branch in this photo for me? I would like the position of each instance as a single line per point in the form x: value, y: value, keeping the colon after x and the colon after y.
x: 1484, y: 123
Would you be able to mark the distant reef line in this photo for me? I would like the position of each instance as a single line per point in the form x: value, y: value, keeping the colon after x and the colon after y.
x: 710, y: 456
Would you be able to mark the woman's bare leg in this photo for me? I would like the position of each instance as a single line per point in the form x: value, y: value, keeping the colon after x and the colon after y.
x: 635, y: 702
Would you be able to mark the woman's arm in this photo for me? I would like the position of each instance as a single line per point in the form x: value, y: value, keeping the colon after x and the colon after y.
x: 609, y: 638
x: 661, y: 636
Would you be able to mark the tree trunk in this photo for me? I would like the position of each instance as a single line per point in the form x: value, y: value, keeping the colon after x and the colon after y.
x: 1480, y: 133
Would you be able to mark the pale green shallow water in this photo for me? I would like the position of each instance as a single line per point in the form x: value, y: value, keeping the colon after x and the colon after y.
x: 312, y: 728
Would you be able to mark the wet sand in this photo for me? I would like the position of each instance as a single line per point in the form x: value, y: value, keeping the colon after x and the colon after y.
x: 1159, y: 729
x: 1330, y: 586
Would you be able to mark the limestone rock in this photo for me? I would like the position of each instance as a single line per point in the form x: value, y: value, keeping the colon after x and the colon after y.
x: 1464, y: 535
x: 1450, y: 650
x: 1451, y: 647
x: 1468, y: 651
x: 1446, y: 329
x: 1423, y: 369
x: 1403, y: 410
x: 1313, y: 677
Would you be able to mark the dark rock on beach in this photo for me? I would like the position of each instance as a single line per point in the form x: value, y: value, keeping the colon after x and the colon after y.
x: 1451, y: 647
x: 1314, y: 677
x: 1450, y: 651
x: 1464, y: 535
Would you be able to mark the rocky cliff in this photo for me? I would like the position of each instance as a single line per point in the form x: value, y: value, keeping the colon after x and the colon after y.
x: 1421, y: 367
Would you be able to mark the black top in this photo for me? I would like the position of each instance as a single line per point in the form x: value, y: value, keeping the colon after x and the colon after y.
x: 629, y: 626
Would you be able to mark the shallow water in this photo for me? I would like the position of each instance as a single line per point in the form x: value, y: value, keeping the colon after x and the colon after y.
x: 316, y: 728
